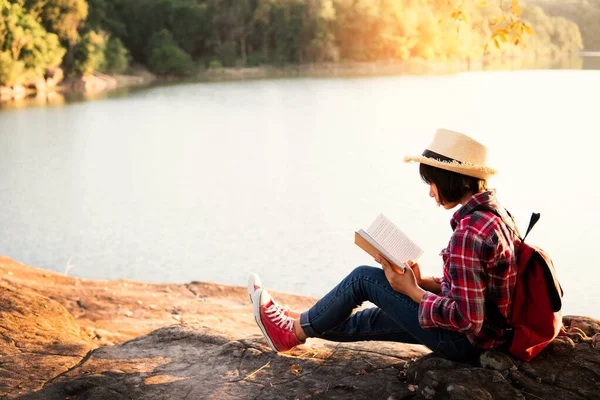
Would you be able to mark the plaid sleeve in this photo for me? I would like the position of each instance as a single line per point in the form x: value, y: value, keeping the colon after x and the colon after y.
x: 463, y: 308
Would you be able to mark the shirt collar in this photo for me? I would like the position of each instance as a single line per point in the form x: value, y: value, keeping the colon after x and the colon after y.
x: 488, y: 198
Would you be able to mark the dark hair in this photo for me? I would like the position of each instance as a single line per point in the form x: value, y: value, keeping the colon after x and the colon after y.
x: 451, y: 186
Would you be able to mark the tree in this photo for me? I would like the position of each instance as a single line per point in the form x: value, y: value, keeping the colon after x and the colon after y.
x: 166, y: 57
x: 26, y: 48
x: 170, y: 35
x: 62, y: 17
x: 191, y: 31
x: 232, y: 22
x: 89, y: 53
x: 65, y: 18
x: 116, y: 57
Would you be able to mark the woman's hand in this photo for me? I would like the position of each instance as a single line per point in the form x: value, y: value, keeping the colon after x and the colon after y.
x: 416, y: 270
x: 427, y: 282
x: 405, y: 283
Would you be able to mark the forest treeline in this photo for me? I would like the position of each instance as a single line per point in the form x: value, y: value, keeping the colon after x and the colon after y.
x: 585, y: 13
x: 179, y: 37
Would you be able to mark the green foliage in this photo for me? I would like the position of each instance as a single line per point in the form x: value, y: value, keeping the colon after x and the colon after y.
x: 116, y: 57
x: 171, y: 36
x: 89, y: 53
x: 160, y: 39
x: 215, y: 65
x: 191, y: 27
x: 228, y: 53
x: 166, y: 57
x: 10, y: 70
x: 27, y: 48
x: 255, y: 59
x: 105, y: 15
x: 62, y: 17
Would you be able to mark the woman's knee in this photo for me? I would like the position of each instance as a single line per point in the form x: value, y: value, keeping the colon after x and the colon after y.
x: 366, y: 271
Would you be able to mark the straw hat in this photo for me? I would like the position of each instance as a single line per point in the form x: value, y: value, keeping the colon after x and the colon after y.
x: 455, y: 152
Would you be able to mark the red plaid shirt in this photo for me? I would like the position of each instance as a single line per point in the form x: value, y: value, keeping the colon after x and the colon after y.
x: 480, y: 265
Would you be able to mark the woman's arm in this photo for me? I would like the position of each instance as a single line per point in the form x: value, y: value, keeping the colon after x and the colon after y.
x: 428, y: 283
x: 463, y: 309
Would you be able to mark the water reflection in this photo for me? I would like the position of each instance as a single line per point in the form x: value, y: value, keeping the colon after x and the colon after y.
x: 569, y: 62
x: 586, y: 61
x: 57, y: 98
x: 591, y: 62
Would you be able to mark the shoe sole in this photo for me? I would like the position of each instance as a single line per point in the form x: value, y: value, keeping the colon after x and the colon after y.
x: 252, y: 283
x: 256, y: 310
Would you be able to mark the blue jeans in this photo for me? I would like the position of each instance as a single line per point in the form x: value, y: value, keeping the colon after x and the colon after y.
x: 394, y: 319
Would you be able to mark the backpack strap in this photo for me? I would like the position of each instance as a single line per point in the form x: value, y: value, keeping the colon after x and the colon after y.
x: 513, y: 230
x: 535, y: 217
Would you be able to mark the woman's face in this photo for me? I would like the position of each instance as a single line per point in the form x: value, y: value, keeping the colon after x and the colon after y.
x: 433, y: 192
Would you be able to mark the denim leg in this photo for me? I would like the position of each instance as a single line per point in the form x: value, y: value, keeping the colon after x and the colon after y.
x: 369, y: 324
x: 395, y: 318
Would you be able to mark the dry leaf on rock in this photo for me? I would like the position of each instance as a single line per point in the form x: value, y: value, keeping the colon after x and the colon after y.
x: 296, y: 369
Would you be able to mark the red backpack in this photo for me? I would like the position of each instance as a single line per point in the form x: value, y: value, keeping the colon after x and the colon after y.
x: 536, y: 317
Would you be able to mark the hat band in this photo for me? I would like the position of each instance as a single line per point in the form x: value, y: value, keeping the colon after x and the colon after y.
x: 439, y: 157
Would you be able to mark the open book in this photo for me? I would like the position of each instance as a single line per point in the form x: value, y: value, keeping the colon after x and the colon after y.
x: 385, y: 238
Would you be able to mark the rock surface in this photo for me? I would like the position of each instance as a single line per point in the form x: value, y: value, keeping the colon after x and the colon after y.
x: 132, y: 346
x: 112, y: 312
x: 39, y: 340
x: 181, y: 362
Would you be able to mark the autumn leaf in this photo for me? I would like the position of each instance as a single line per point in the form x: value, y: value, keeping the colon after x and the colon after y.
x: 362, y: 372
x: 517, y: 10
x: 296, y: 369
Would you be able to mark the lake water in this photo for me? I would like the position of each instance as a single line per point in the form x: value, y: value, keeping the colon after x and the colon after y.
x: 210, y: 181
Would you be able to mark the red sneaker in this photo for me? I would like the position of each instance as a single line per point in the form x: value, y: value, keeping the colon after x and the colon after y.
x: 254, y: 284
x: 277, y: 327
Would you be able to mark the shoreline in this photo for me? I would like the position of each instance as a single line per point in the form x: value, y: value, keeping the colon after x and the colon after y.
x: 55, y: 91
x: 411, y: 67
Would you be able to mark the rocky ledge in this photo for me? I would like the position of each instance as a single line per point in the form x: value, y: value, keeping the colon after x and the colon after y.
x: 69, y: 338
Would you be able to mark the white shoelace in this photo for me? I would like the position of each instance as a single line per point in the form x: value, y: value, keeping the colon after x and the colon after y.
x: 278, y: 317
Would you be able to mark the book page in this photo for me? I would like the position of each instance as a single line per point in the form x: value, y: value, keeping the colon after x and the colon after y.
x: 394, y: 240
x: 363, y: 240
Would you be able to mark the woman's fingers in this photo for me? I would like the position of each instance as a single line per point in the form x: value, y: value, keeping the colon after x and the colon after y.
x: 382, y: 260
x: 384, y: 263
